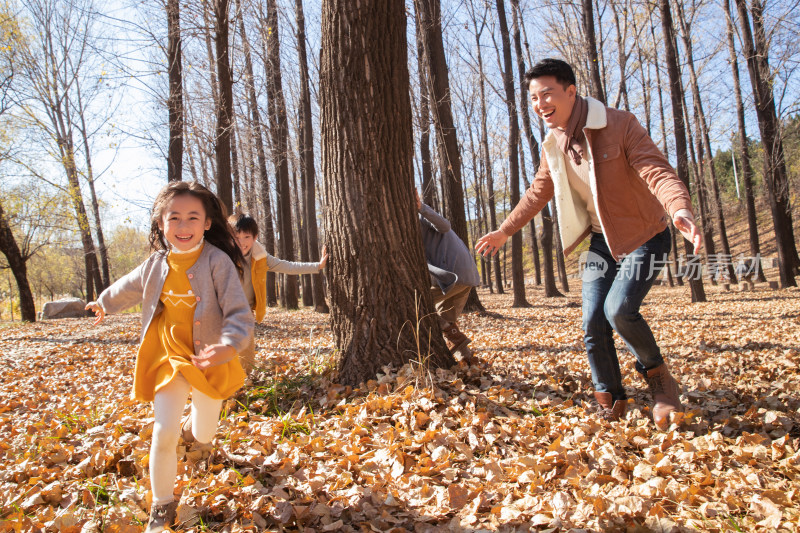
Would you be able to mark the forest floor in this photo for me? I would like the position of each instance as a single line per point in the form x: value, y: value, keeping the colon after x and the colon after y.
x: 506, y: 444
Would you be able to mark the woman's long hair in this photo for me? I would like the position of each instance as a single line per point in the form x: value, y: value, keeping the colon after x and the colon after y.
x: 219, y: 234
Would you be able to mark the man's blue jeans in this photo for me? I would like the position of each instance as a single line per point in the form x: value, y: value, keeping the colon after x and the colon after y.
x: 612, y: 294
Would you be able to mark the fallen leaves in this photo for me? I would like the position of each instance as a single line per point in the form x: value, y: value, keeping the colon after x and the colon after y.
x: 505, y: 444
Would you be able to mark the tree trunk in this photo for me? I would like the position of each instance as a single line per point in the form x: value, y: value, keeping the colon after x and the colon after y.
x: 280, y: 149
x: 381, y: 306
x: 175, y: 99
x: 101, y: 241
x: 706, y: 142
x: 590, y: 44
x: 622, y: 56
x: 676, y: 94
x: 429, y: 13
x: 761, y: 78
x: 547, y: 253
x: 17, y: 264
x: 307, y: 168
x: 225, y: 107
x: 263, y: 177
x: 665, y: 147
x: 517, y: 273
x: 493, y: 263
x: 537, y: 269
x: 698, y: 171
x: 426, y: 171
x: 747, y: 168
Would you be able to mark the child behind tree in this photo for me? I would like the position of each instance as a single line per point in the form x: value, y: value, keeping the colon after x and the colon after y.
x: 257, y: 262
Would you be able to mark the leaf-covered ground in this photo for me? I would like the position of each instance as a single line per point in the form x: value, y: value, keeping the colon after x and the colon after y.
x: 502, y: 445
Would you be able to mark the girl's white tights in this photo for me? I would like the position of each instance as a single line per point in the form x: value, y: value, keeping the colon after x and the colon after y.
x: 168, y: 404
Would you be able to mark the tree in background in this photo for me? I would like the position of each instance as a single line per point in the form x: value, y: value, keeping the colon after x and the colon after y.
x: 430, y: 21
x: 756, y: 51
x: 175, y: 99
x: 308, y: 175
x: 676, y: 94
x: 224, y: 109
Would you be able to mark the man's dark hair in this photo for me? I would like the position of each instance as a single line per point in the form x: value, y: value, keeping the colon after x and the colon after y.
x: 242, y: 223
x: 557, y: 68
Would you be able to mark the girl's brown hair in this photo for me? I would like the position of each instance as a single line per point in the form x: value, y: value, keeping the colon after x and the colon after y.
x: 219, y: 234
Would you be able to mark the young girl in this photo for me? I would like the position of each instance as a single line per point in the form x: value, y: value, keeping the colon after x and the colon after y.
x: 195, y: 318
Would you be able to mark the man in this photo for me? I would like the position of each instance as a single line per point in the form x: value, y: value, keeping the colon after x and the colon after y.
x: 453, y: 275
x: 610, y: 181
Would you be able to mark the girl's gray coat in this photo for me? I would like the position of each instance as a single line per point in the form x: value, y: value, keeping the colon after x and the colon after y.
x: 222, y: 315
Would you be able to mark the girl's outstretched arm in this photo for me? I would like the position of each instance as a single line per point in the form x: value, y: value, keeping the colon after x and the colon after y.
x: 99, y: 312
x: 324, y: 259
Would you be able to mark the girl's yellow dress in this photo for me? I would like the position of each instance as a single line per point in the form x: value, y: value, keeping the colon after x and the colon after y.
x: 168, y: 344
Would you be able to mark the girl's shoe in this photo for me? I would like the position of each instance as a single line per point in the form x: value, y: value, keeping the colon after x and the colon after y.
x: 161, y: 517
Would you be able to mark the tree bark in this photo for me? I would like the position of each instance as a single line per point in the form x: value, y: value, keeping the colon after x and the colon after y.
x: 225, y: 107
x: 676, y: 94
x: 19, y: 269
x: 381, y: 306
x: 276, y: 106
x: 307, y: 168
x: 757, y: 54
x: 175, y: 99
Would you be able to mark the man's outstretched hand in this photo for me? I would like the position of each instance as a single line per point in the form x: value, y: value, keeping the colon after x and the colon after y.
x: 684, y: 221
x: 490, y: 243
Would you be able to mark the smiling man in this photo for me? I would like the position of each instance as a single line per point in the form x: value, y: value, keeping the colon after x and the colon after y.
x: 612, y: 184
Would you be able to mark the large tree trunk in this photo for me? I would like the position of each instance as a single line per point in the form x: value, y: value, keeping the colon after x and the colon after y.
x: 747, y: 168
x: 263, y: 177
x: 225, y: 107
x: 517, y: 273
x: 280, y: 149
x: 676, y: 94
x: 429, y: 12
x: 590, y: 44
x: 756, y: 52
x: 17, y: 264
x: 175, y: 99
x: 381, y: 307
x: 307, y: 169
